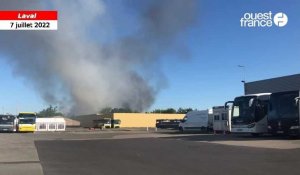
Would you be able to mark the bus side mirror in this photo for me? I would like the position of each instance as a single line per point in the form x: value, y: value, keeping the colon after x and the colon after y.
x: 297, y: 100
x: 251, y: 102
x: 226, y: 104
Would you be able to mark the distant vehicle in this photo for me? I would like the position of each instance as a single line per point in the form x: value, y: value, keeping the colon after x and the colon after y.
x: 8, y: 123
x: 26, y: 122
x: 195, y: 121
x: 249, y: 114
x: 106, y: 123
x: 168, y: 123
x: 221, y: 119
x: 26, y: 125
x: 116, y: 123
x: 283, y: 116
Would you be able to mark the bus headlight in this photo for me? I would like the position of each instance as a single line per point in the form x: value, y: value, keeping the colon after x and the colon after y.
x: 294, y: 127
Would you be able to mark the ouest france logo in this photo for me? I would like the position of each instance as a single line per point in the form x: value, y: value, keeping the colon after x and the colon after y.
x: 264, y: 19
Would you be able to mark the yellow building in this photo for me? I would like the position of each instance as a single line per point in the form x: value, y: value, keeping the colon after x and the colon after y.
x: 133, y: 120
x: 128, y: 120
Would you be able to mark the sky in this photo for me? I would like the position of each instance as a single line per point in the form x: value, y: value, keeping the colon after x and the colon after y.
x: 209, y: 74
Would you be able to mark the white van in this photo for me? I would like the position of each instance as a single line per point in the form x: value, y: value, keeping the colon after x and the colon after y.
x: 195, y: 121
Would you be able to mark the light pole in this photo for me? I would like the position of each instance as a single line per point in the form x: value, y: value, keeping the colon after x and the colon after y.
x: 244, y: 74
x: 244, y: 78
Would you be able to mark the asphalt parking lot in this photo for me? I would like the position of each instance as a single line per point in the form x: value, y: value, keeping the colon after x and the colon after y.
x: 162, y: 156
x: 141, y: 152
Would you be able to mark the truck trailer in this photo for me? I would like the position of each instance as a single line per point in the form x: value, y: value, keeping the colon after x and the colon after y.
x: 107, y: 123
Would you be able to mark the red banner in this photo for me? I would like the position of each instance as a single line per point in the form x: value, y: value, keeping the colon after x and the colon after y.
x: 28, y: 15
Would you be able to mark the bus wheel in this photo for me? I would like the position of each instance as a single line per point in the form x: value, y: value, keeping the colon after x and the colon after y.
x: 181, y: 129
x: 293, y: 137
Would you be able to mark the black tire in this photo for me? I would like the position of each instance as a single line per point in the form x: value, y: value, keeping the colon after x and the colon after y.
x: 180, y: 129
x: 293, y: 137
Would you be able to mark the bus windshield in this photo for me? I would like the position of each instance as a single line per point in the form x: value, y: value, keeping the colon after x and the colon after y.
x: 284, y: 105
x: 6, y: 120
x: 241, y: 109
x: 23, y: 115
x: 27, y: 121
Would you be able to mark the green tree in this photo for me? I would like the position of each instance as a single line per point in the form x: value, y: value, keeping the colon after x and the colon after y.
x: 183, y: 110
x: 165, y: 111
x: 49, y: 112
x: 172, y: 111
x: 109, y: 110
x: 122, y: 110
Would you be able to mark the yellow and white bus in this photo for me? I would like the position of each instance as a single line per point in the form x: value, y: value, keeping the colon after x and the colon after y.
x: 26, y: 122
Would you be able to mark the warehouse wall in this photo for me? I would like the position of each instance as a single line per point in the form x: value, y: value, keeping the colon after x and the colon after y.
x: 143, y: 119
x: 280, y: 84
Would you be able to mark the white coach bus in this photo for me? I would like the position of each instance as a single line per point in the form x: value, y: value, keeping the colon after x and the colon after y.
x: 249, y: 114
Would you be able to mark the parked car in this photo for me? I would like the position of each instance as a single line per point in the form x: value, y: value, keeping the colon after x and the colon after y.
x: 168, y: 123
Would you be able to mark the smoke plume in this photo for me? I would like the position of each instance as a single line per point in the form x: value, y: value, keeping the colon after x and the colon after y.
x: 95, y: 60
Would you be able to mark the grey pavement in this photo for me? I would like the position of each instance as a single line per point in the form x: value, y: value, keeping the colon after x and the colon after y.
x: 141, y: 152
x: 161, y: 156
x: 18, y: 155
x: 231, y: 139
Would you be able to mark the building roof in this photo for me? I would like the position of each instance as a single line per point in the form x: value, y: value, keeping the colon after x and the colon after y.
x: 50, y: 120
x: 278, y: 84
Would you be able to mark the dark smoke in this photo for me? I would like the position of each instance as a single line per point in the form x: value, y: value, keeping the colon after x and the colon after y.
x: 74, y: 69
